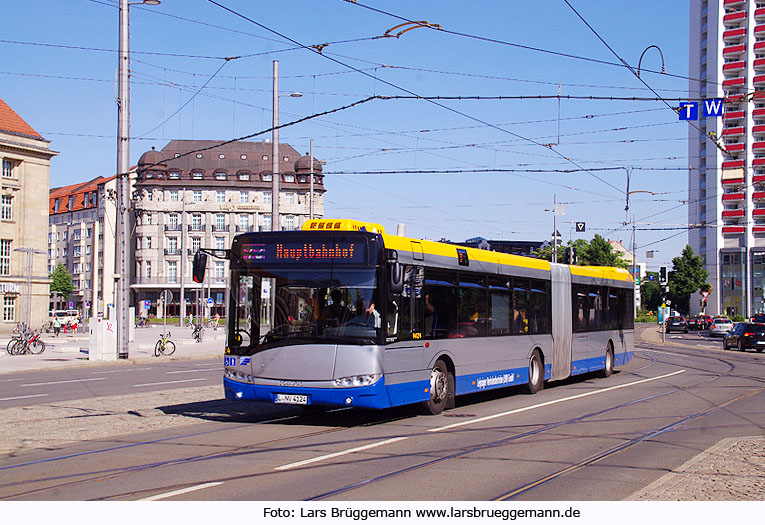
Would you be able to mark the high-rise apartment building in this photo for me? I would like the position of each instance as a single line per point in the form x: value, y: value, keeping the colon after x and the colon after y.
x: 726, y: 183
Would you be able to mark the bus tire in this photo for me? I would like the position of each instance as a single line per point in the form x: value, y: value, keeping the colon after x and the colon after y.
x: 536, y: 373
x: 440, y: 384
x: 608, y: 369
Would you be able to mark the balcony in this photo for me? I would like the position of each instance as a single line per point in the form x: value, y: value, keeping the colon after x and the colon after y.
x: 759, y: 46
x: 196, y: 227
x: 732, y: 164
x: 733, y: 230
x: 727, y: 214
x: 759, y: 80
x: 759, y: 14
x: 758, y: 130
x: 734, y: 82
x: 731, y: 67
x: 733, y: 182
x: 245, y: 229
x: 758, y: 212
x: 734, y: 19
x: 729, y: 197
x: 759, y: 112
x: 220, y: 228
x: 731, y: 132
x: 758, y: 146
x: 733, y: 3
x: 734, y: 115
x: 734, y: 35
x: 732, y: 51
x: 759, y: 64
x: 735, y: 148
x: 758, y: 229
x: 757, y: 195
x: 759, y: 31
x: 169, y: 251
x: 173, y: 227
x: 758, y: 178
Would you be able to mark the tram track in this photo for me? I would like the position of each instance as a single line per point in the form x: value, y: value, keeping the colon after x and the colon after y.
x: 270, y: 445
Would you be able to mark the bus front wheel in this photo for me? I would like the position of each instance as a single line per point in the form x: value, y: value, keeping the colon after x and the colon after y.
x: 609, y: 367
x: 439, y: 389
x: 536, y: 373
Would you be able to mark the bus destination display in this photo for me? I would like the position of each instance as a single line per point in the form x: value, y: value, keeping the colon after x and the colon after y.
x: 350, y: 252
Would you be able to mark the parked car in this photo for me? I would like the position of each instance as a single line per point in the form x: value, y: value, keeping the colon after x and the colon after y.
x: 677, y: 324
x: 720, y: 326
x: 745, y: 335
x: 694, y: 323
x: 758, y: 318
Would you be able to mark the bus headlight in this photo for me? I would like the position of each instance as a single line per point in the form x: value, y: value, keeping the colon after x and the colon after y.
x: 355, y: 381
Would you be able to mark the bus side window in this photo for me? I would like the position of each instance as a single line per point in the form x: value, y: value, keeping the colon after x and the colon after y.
x: 539, y: 310
x: 403, y: 319
x: 521, y: 306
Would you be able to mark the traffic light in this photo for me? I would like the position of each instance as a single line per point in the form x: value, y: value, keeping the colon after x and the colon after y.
x: 570, y: 255
x: 662, y: 275
x: 199, y: 266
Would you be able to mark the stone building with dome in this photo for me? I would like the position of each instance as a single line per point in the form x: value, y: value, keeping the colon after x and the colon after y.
x: 195, y: 194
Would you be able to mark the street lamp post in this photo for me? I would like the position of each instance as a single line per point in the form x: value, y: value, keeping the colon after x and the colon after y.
x: 123, y: 178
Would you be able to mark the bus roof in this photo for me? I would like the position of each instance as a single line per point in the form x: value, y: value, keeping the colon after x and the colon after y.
x: 396, y: 242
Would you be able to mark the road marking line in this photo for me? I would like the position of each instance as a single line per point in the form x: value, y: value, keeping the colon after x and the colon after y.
x: 171, y: 382
x: 22, y: 397
x: 548, y: 403
x: 217, y: 369
x: 5, y: 380
x: 121, y: 371
x: 67, y: 381
x: 182, y: 491
x: 342, y: 453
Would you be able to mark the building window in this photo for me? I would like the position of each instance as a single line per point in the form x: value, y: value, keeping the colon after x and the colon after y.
x: 9, y: 308
x: 220, y: 273
x: 173, y: 221
x: 289, y: 198
x: 71, y: 203
x: 148, y: 269
x: 196, y: 222
x: 244, y: 221
x: 289, y: 178
x: 220, y: 221
x: 6, y: 208
x: 85, y: 202
x: 174, y: 196
x: 197, y: 196
x: 267, y: 177
x: 197, y: 175
x: 266, y: 197
x: 244, y: 176
x: 172, y: 245
x: 196, y: 243
x: 77, y: 250
x: 244, y: 196
x: 220, y: 243
x: 266, y: 223
x: 172, y: 271
x: 175, y: 175
x: 5, y: 257
x: 7, y: 169
x: 220, y: 175
x: 148, y: 243
x: 220, y: 196
x: 289, y: 222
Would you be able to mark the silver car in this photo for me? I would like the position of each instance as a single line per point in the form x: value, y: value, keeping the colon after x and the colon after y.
x: 720, y: 326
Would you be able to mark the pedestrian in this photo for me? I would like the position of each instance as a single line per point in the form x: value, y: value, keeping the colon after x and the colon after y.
x: 56, y: 326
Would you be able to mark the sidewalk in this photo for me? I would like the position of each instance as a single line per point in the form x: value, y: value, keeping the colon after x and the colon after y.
x: 72, y: 350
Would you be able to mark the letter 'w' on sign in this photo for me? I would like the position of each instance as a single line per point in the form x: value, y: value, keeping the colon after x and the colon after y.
x: 713, y: 107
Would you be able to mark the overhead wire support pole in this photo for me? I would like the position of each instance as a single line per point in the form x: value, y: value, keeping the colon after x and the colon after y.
x: 123, y: 180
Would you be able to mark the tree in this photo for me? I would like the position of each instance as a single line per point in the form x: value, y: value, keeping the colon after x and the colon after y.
x: 687, y: 276
x: 650, y: 292
x: 62, y: 281
x: 597, y: 252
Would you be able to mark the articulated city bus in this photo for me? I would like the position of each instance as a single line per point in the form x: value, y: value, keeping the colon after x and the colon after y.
x: 367, y: 319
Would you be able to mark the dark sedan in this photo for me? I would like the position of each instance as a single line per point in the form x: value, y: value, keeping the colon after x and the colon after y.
x: 677, y: 324
x: 745, y: 335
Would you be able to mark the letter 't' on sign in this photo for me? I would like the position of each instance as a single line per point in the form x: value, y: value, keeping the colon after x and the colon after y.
x: 580, y: 227
x: 689, y: 111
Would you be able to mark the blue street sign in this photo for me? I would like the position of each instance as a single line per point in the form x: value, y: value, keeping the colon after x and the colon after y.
x: 147, y: 304
x: 651, y: 277
x: 210, y: 301
x: 713, y: 107
x: 689, y: 111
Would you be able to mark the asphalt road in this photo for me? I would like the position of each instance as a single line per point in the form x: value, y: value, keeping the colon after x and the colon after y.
x: 582, y: 439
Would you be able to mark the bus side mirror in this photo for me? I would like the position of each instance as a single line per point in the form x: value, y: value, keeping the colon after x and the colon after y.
x: 199, y: 266
x: 396, y: 278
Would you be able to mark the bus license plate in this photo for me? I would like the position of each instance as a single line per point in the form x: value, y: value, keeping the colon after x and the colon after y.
x: 291, y: 399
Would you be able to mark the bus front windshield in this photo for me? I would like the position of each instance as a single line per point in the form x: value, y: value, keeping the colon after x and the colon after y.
x: 312, y: 306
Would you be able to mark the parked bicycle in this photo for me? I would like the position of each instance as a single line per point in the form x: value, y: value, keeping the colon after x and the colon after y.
x: 26, y: 342
x: 164, y: 346
x: 197, y: 331
x: 142, y: 322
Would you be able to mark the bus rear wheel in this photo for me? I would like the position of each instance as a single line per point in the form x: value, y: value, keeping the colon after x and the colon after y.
x: 536, y: 373
x: 440, y: 383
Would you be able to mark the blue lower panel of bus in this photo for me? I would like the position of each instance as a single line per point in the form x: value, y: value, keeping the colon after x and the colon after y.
x: 373, y: 396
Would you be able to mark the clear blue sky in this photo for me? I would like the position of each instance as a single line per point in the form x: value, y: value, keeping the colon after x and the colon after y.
x: 58, y: 66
